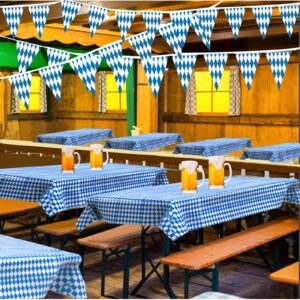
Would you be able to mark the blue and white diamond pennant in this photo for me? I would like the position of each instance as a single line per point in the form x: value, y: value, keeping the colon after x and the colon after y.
x: 97, y: 15
x: 207, y: 20
x: 181, y: 23
x: 168, y: 34
x: 278, y: 62
x: 13, y: 15
x: 39, y: 14
x: 21, y: 84
x: 154, y: 68
x: 248, y: 63
x: 263, y: 16
x: 289, y: 15
x: 52, y: 76
x: 86, y: 66
x: 69, y: 11
x: 152, y: 21
x: 124, y: 19
x: 184, y: 65
x: 26, y: 53
x: 142, y: 44
x: 216, y: 63
x: 57, y: 56
x: 235, y: 17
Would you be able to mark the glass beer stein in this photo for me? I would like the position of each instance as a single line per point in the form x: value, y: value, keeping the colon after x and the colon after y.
x: 216, y: 172
x: 96, y: 157
x: 189, y: 169
x: 67, y: 159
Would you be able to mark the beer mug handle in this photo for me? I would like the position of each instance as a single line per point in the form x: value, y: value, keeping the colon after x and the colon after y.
x: 230, y: 172
x: 78, y: 158
x: 200, y: 169
x: 107, y: 157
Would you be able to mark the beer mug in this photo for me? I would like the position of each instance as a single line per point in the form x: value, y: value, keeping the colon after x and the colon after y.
x: 216, y: 172
x: 96, y: 157
x: 67, y: 160
x: 189, y: 169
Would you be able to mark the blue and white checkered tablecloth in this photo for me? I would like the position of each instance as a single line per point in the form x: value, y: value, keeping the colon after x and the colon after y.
x: 274, y: 153
x: 213, y: 147
x: 145, y: 142
x: 176, y: 213
x: 57, y: 191
x: 75, y: 137
x: 30, y: 270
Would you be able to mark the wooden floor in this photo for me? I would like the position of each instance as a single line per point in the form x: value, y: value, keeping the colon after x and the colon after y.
x: 237, y: 277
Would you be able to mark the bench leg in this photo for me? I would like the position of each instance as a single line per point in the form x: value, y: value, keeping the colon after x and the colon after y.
x: 2, y: 223
x: 103, y: 272
x: 276, y: 255
x: 186, y: 283
x: 215, y: 278
x: 82, y: 259
x: 126, y: 272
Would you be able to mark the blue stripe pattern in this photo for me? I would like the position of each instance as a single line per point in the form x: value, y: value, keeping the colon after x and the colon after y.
x: 176, y: 213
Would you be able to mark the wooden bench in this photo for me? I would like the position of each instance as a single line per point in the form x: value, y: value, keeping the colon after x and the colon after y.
x: 116, y: 240
x: 210, y: 254
x: 11, y: 208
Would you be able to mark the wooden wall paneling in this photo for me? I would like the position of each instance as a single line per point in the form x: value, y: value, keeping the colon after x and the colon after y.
x: 208, y: 131
x: 176, y: 95
x: 28, y: 130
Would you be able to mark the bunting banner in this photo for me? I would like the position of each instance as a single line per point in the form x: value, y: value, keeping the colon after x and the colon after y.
x: 184, y: 65
x: 216, y: 63
x: 263, y: 16
x: 120, y: 65
x: 13, y: 15
x: 278, y: 62
x: 21, y: 84
x: 289, y: 15
x: 207, y: 20
x: 168, y: 34
x: 248, y: 63
x: 26, y: 53
x: 124, y: 20
x: 235, y: 17
x: 154, y: 68
x: 97, y: 15
x: 86, y: 66
x: 39, y: 16
x: 69, y: 11
x: 142, y: 44
x: 196, y: 25
x: 53, y: 76
x: 57, y: 56
x: 152, y: 21
x: 181, y: 22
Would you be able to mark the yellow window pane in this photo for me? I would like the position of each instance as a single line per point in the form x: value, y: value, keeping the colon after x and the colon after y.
x: 203, y: 81
x: 204, y: 102
x: 221, y: 102
x: 34, y: 103
x: 35, y: 84
x: 111, y: 85
x: 224, y: 83
x: 123, y: 101
x: 113, y: 101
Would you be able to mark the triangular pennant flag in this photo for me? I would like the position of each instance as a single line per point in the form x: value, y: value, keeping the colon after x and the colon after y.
x: 142, y: 44
x: 21, y: 84
x: 86, y: 66
x: 196, y: 25
x: 52, y: 76
x: 69, y: 11
x: 57, y: 56
x: 154, y: 68
x: 216, y: 63
x: 168, y: 34
x: 278, y: 62
x: 235, y: 17
x: 289, y: 15
x: 184, y: 65
x: 39, y: 14
x: 248, y: 63
x: 13, y: 15
x: 152, y: 21
x: 97, y: 15
x: 120, y: 65
x: 263, y: 16
x: 181, y: 21
x: 26, y: 54
x: 124, y: 19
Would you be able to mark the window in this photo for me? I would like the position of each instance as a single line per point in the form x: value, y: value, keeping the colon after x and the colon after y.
x: 210, y: 100
x: 115, y: 101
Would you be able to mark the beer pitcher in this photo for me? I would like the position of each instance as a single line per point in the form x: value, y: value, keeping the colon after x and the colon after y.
x: 67, y: 159
x: 216, y: 172
x: 96, y: 157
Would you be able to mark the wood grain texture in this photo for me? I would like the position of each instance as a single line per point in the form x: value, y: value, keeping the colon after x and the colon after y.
x: 289, y: 274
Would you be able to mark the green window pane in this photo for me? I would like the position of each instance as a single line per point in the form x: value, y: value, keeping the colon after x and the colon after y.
x: 221, y: 102
x: 204, y: 102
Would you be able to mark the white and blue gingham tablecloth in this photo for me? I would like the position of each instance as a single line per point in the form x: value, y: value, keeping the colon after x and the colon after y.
x: 57, y: 191
x: 176, y: 213
x: 144, y: 142
x: 274, y: 153
x: 213, y: 147
x: 30, y: 270
x: 75, y: 137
